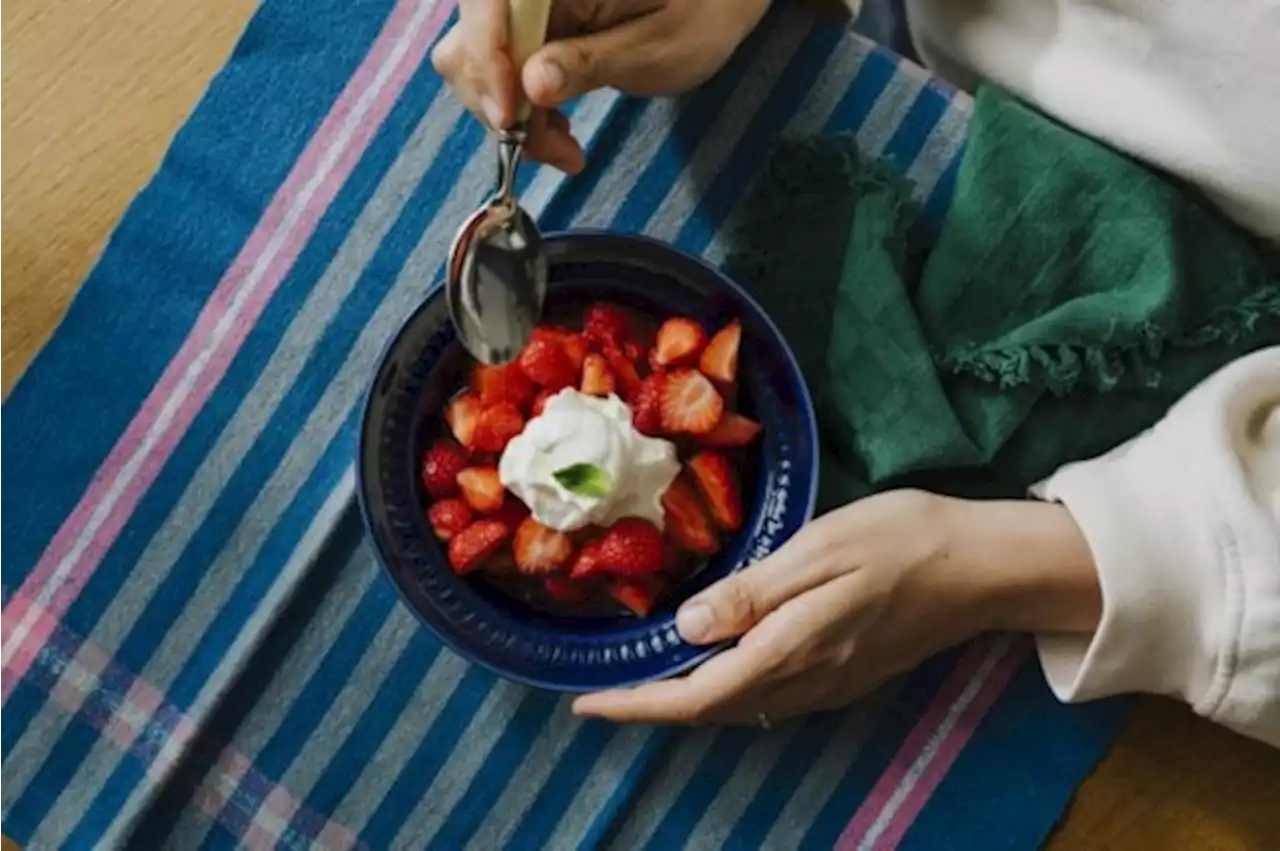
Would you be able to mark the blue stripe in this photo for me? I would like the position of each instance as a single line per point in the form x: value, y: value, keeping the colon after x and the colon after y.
x: 860, y: 98
x: 27, y: 813
x: 698, y: 113
x: 935, y: 207
x: 174, y: 241
x: 749, y: 152
x: 563, y: 785
x: 337, y: 572
x: 1011, y: 742
x: 430, y: 756
x: 493, y: 776
x: 802, y: 753
x: 878, y: 752
x: 630, y: 787
x: 381, y: 716
x: 903, y: 148
x: 570, y: 199
x: 717, y: 767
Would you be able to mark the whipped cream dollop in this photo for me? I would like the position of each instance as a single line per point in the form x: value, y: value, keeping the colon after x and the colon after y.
x: 582, y: 462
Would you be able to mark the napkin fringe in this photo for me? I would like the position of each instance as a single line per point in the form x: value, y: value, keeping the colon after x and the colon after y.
x: 1062, y: 368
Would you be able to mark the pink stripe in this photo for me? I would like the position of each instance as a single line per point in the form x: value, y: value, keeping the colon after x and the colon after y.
x: 919, y: 738
x: 219, y: 304
x: 82, y: 676
x: 951, y: 747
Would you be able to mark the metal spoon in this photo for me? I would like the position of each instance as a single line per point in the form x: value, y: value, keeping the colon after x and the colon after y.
x: 497, y: 273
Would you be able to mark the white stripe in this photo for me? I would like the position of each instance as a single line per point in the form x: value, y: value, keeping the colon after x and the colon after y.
x: 930, y: 751
x: 228, y: 321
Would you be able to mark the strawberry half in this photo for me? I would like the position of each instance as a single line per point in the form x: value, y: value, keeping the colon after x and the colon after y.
x: 625, y: 376
x: 606, y: 325
x: 575, y: 348
x: 540, y: 402
x: 587, y: 563
x: 680, y: 342
x: 719, y: 361
x: 690, y: 403
x: 482, y: 489
x: 440, y: 467
x: 732, y: 430
x: 646, y: 405
x: 497, y: 384
x: 475, y: 544
x: 497, y: 426
x: 463, y: 416
x: 448, y: 517
x: 686, y: 519
x: 639, y: 596
x: 715, y: 480
x: 539, y: 549
x: 597, y: 380
x: 632, y: 547
x: 545, y: 363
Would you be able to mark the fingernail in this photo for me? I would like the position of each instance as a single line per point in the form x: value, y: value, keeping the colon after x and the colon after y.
x: 694, y: 621
x: 552, y: 76
x: 492, y: 112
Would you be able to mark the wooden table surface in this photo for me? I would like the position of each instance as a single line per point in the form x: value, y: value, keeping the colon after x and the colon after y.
x: 96, y: 90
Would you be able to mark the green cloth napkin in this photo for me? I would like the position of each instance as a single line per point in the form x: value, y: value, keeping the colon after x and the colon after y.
x: 1071, y: 296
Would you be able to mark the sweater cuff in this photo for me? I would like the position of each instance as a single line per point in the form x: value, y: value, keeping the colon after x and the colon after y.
x: 1160, y: 574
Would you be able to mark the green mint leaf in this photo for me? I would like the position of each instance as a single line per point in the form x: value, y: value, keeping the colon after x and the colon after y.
x: 584, y: 480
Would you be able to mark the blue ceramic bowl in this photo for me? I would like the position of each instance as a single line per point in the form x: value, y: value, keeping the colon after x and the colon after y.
x: 424, y: 365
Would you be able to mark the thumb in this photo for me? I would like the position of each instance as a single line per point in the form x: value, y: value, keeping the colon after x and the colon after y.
x: 737, y: 603
x: 618, y: 57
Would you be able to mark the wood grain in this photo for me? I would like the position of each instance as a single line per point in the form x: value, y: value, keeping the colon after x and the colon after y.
x: 95, y: 90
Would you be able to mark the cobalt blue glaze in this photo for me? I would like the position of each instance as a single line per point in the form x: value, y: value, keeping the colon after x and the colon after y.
x: 424, y: 365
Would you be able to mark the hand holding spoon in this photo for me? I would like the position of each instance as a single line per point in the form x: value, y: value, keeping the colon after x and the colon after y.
x: 497, y: 274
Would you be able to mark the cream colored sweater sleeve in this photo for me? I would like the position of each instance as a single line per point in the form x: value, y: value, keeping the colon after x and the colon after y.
x: 1184, y: 525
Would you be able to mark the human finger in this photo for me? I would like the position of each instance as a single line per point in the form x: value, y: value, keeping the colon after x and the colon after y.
x: 550, y: 141
x: 714, y: 691
x: 738, y: 602
x: 626, y: 56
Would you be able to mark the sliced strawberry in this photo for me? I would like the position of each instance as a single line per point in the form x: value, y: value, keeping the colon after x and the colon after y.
x: 540, y: 402
x: 625, y: 376
x: 605, y: 325
x: 539, y: 549
x: 497, y: 426
x: 690, y: 403
x: 636, y: 352
x: 632, y: 547
x: 587, y: 563
x: 497, y: 384
x: 575, y: 347
x: 646, y: 405
x: 482, y: 489
x: 564, y: 589
x: 719, y: 361
x: 732, y: 430
x: 638, y: 595
x: 513, y: 512
x: 715, y: 480
x: 471, y: 547
x: 440, y: 467
x: 597, y: 380
x: 686, y: 519
x: 463, y: 415
x: 680, y: 342
x: 448, y: 517
x: 545, y: 363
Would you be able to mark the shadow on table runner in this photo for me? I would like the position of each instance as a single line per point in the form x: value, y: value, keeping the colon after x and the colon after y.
x: 180, y: 674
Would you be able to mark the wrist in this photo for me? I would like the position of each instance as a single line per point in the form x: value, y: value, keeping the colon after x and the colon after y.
x: 1031, y: 566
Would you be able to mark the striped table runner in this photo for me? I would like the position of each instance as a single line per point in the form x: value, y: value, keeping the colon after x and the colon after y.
x: 199, y: 651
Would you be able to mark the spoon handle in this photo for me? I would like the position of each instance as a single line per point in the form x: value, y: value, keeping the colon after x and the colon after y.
x: 528, y: 22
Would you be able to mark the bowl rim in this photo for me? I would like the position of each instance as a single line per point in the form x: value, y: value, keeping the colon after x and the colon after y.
x: 362, y: 483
